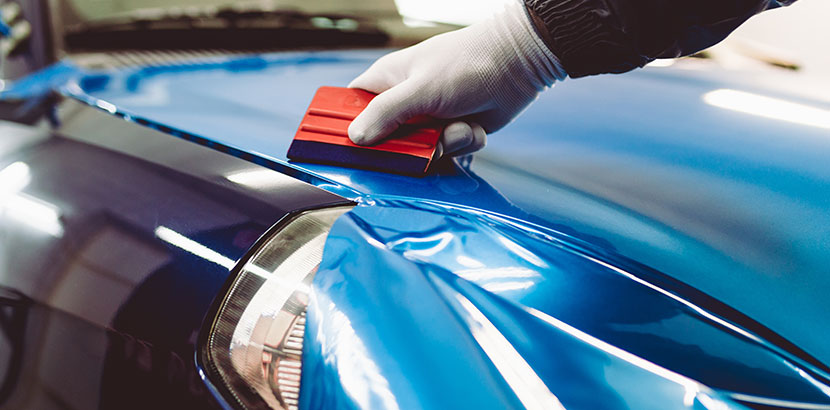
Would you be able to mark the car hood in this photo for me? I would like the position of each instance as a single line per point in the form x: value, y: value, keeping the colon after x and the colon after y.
x: 691, y: 177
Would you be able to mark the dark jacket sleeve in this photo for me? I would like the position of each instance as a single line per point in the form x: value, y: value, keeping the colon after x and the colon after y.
x: 614, y: 36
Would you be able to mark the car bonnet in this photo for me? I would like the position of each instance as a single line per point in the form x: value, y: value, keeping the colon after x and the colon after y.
x: 663, y: 174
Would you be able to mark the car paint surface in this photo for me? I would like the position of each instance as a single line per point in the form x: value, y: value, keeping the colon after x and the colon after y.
x: 114, y: 241
x: 482, y: 312
x: 638, y: 164
x: 643, y: 167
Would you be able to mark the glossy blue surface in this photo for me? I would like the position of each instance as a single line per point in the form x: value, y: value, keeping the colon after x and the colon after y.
x: 647, y: 167
x: 487, y: 313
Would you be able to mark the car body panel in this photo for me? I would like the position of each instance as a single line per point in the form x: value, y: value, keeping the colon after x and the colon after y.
x: 114, y: 241
x: 426, y: 306
x: 643, y: 172
x: 639, y: 164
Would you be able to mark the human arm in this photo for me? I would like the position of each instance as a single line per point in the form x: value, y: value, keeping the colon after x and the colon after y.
x: 484, y: 75
x: 614, y: 36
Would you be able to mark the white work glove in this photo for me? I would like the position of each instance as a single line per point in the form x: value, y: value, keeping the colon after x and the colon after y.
x: 483, y: 76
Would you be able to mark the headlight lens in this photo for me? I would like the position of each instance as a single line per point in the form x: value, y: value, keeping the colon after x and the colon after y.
x: 256, y: 341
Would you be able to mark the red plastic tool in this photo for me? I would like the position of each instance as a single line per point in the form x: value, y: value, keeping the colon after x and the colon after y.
x: 323, y: 136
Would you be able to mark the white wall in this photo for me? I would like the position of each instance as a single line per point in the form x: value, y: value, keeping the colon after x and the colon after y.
x: 802, y: 30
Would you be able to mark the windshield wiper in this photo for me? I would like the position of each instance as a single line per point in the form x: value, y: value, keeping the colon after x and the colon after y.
x: 223, y: 28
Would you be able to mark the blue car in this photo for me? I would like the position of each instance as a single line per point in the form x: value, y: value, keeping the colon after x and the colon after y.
x: 653, y: 240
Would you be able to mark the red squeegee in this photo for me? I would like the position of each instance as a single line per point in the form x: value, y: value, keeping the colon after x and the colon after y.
x: 323, y: 136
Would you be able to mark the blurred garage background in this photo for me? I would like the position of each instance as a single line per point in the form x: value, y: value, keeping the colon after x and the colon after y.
x: 787, y: 47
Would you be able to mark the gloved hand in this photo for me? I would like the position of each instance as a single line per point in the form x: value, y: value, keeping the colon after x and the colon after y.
x: 483, y: 75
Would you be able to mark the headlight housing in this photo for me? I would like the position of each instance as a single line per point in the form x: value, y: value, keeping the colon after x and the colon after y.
x: 254, y: 347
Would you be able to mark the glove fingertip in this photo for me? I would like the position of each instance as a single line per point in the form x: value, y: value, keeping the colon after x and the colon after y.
x: 373, y: 81
x: 456, y: 136
x: 361, y: 135
x: 356, y: 83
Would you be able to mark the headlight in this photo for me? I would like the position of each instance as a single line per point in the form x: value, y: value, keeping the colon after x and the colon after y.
x: 254, y: 347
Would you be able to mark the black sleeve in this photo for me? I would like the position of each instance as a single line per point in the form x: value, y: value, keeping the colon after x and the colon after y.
x: 614, y: 36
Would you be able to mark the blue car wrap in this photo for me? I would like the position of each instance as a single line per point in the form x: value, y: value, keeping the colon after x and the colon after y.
x: 628, y: 242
